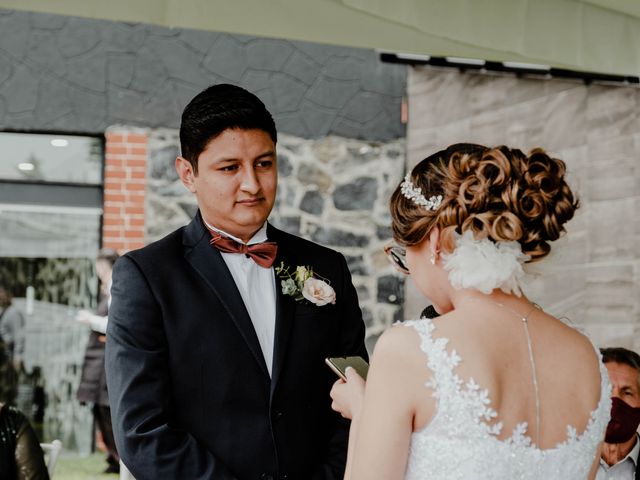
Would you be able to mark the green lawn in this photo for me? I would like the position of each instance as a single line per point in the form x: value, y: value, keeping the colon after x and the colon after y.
x: 73, y: 467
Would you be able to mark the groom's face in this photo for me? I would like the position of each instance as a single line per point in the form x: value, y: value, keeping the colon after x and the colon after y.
x: 236, y: 181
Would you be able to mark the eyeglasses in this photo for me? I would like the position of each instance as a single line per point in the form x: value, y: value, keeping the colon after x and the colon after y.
x: 397, y: 255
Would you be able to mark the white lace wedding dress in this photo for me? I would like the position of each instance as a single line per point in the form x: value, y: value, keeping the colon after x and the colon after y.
x: 458, y: 443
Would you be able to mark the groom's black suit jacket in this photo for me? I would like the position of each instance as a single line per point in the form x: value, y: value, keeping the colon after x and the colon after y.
x: 190, y: 394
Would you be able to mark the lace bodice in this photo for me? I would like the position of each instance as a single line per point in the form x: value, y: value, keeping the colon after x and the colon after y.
x: 461, y: 441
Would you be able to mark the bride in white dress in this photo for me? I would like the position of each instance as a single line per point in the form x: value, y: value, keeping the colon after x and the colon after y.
x: 494, y: 388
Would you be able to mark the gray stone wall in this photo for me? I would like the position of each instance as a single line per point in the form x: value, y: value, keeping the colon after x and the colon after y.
x: 334, y: 191
x: 593, y: 274
x: 74, y: 74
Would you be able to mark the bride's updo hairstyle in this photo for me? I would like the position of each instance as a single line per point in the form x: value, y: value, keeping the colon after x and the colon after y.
x: 497, y: 193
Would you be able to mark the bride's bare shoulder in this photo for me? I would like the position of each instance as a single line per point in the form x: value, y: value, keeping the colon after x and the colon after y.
x: 571, y: 346
x: 398, y: 341
x: 399, y: 359
x: 402, y: 340
x: 397, y: 336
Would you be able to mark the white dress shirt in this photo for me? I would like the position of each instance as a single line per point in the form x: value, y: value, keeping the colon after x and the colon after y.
x: 625, y: 469
x: 257, y: 286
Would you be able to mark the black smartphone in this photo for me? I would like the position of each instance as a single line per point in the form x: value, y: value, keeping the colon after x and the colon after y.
x: 340, y: 364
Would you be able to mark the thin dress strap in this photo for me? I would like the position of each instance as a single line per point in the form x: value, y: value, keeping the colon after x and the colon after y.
x: 532, y: 361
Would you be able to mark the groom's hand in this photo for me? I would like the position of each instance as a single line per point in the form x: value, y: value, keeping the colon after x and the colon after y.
x: 348, y: 396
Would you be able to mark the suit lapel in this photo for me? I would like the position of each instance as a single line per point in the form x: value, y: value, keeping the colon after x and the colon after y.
x: 285, y: 309
x: 208, y: 262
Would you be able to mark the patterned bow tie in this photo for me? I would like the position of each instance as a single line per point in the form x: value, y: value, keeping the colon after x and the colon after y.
x: 264, y: 254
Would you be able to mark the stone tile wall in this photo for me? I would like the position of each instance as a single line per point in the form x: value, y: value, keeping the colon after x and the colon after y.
x: 593, y: 274
x: 333, y: 191
x: 77, y: 74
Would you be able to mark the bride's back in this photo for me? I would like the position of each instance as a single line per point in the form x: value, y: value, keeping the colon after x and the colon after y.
x: 496, y: 387
x: 492, y: 345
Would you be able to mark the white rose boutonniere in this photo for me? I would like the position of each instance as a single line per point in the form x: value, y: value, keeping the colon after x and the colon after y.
x: 302, y: 285
x: 318, y: 292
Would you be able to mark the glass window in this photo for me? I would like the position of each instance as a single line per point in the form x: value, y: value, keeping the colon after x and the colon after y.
x: 51, y: 158
x: 50, y: 219
x: 47, y: 269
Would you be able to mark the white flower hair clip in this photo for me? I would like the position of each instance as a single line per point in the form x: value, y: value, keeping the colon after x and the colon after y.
x: 485, y: 265
x: 413, y: 193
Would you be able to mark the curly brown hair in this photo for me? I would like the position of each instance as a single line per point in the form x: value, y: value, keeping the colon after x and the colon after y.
x: 497, y: 193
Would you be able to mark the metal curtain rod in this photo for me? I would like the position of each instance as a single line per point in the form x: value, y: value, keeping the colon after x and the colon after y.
x: 516, y: 68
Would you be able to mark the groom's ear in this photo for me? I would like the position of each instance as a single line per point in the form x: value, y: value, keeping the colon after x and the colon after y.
x: 185, y: 172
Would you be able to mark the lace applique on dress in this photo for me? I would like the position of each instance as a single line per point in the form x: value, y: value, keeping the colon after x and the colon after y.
x: 461, y: 441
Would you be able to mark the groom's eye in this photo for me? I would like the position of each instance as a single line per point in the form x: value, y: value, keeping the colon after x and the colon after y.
x: 264, y: 163
x: 228, y: 168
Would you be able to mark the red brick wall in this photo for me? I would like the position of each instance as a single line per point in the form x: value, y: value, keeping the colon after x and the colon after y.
x: 124, y: 189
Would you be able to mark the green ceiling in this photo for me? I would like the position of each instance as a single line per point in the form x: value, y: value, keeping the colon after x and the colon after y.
x: 591, y: 35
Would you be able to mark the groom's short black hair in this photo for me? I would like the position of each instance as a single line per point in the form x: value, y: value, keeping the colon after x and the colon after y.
x: 216, y: 109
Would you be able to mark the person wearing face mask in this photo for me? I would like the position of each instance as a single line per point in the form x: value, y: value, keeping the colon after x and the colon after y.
x: 621, y: 448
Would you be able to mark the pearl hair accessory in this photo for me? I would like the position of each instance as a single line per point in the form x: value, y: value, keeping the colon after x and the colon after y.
x: 413, y: 193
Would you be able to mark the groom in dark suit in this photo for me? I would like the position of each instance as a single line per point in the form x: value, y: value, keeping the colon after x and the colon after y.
x: 215, y: 367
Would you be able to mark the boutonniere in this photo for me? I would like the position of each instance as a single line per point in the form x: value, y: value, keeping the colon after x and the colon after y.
x: 302, y: 284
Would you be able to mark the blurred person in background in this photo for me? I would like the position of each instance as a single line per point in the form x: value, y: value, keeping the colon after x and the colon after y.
x: 621, y: 449
x: 93, y: 383
x: 12, y: 324
x: 21, y: 457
